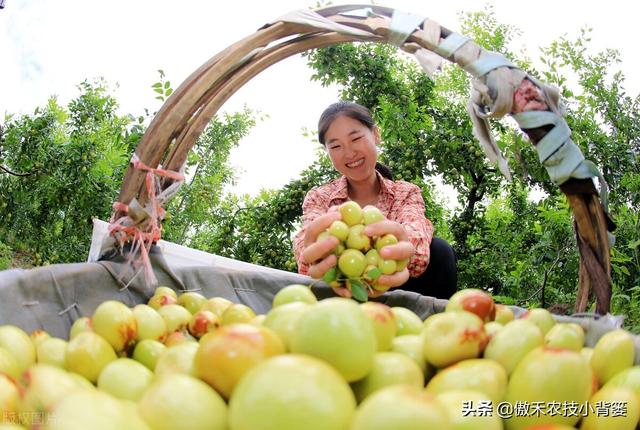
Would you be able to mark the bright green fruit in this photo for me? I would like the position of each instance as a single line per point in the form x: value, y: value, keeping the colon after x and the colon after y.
x: 400, y: 407
x: 339, y: 229
x: 407, y: 321
x: 504, y: 314
x: 87, y: 354
x: 380, y: 287
x: 52, y: 351
x: 485, y: 376
x: 191, y: 301
x: 613, y: 353
x: 115, y: 322
x: 150, y: 323
x: 147, y: 352
x: 351, y: 213
x: 564, y: 335
x: 352, y: 263
x: 384, y: 323
x: 401, y: 264
x: 19, y: 344
x: 309, y: 395
x: 387, y: 239
x: 388, y: 267
x: 179, y: 401
x: 546, y: 375
x: 95, y: 410
x: 226, y: 355
x: 372, y: 257
x: 607, y: 397
x: 475, y: 301
x: 294, y: 293
x: 337, y: 330
x: 125, y: 379
x: 411, y: 346
x: 237, y: 313
x: 371, y: 214
x: 177, y: 359
x: 389, y: 368
x: 357, y: 239
x: 449, y: 337
x: 176, y: 317
x: 509, y: 345
x: 80, y: 325
x: 540, y: 317
x: 217, y: 305
x: 627, y: 378
x: 283, y: 319
x: 203, y: 322
x: 9, y: 364
x: 453, y: 402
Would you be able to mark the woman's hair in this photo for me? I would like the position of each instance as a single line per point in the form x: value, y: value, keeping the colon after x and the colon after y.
x: 342, y: 108
x: 354, y: 111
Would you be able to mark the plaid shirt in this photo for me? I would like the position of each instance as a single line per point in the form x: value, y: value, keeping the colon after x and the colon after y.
x: 398, y: 200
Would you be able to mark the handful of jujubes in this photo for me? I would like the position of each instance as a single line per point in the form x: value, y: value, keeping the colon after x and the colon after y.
x: 359, y: 261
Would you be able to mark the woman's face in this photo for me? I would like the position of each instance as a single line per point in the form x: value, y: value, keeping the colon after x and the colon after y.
x: 352, y: 148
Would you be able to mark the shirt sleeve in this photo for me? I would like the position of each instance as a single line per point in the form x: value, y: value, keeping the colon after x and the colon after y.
x: 312, y: 207
x: 419, y: 228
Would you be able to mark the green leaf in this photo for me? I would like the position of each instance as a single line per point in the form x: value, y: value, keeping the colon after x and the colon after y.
x: 623, y: 270
x: 374, y: 273
x: 634, y: 244
x: 158, y: 90
x: 358, y: 291
x: 168, y: 92
x: 167, y: 84
x: 157, y: 85
x: 160, y: 98
x: 330, y: 275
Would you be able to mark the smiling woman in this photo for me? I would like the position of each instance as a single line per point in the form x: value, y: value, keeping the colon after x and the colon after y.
x: 351, y: 137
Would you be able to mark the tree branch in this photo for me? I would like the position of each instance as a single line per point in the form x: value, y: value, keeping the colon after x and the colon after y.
x: 12, y: 173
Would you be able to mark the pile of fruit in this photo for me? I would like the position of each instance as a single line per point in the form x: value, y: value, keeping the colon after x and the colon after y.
x: 190, y: 362
x: 359, y: 261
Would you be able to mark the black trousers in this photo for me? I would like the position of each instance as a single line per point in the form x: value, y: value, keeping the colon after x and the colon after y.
x: 441, y: 276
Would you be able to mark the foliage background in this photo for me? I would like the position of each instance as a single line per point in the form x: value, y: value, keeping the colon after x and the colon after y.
x: 63, y: 165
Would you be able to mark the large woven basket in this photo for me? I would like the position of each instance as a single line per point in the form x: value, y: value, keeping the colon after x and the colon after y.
x: 497, y: 83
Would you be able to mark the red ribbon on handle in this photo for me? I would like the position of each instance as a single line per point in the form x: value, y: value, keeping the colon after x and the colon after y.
x: 143, y: 235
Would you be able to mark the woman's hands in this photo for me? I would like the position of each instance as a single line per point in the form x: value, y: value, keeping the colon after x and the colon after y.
x: 319, y: 254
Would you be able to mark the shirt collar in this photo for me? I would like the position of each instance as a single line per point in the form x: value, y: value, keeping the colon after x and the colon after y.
x: 341, y: 191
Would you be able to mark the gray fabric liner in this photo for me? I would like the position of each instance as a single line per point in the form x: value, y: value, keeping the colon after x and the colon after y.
x: 52, y: 297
